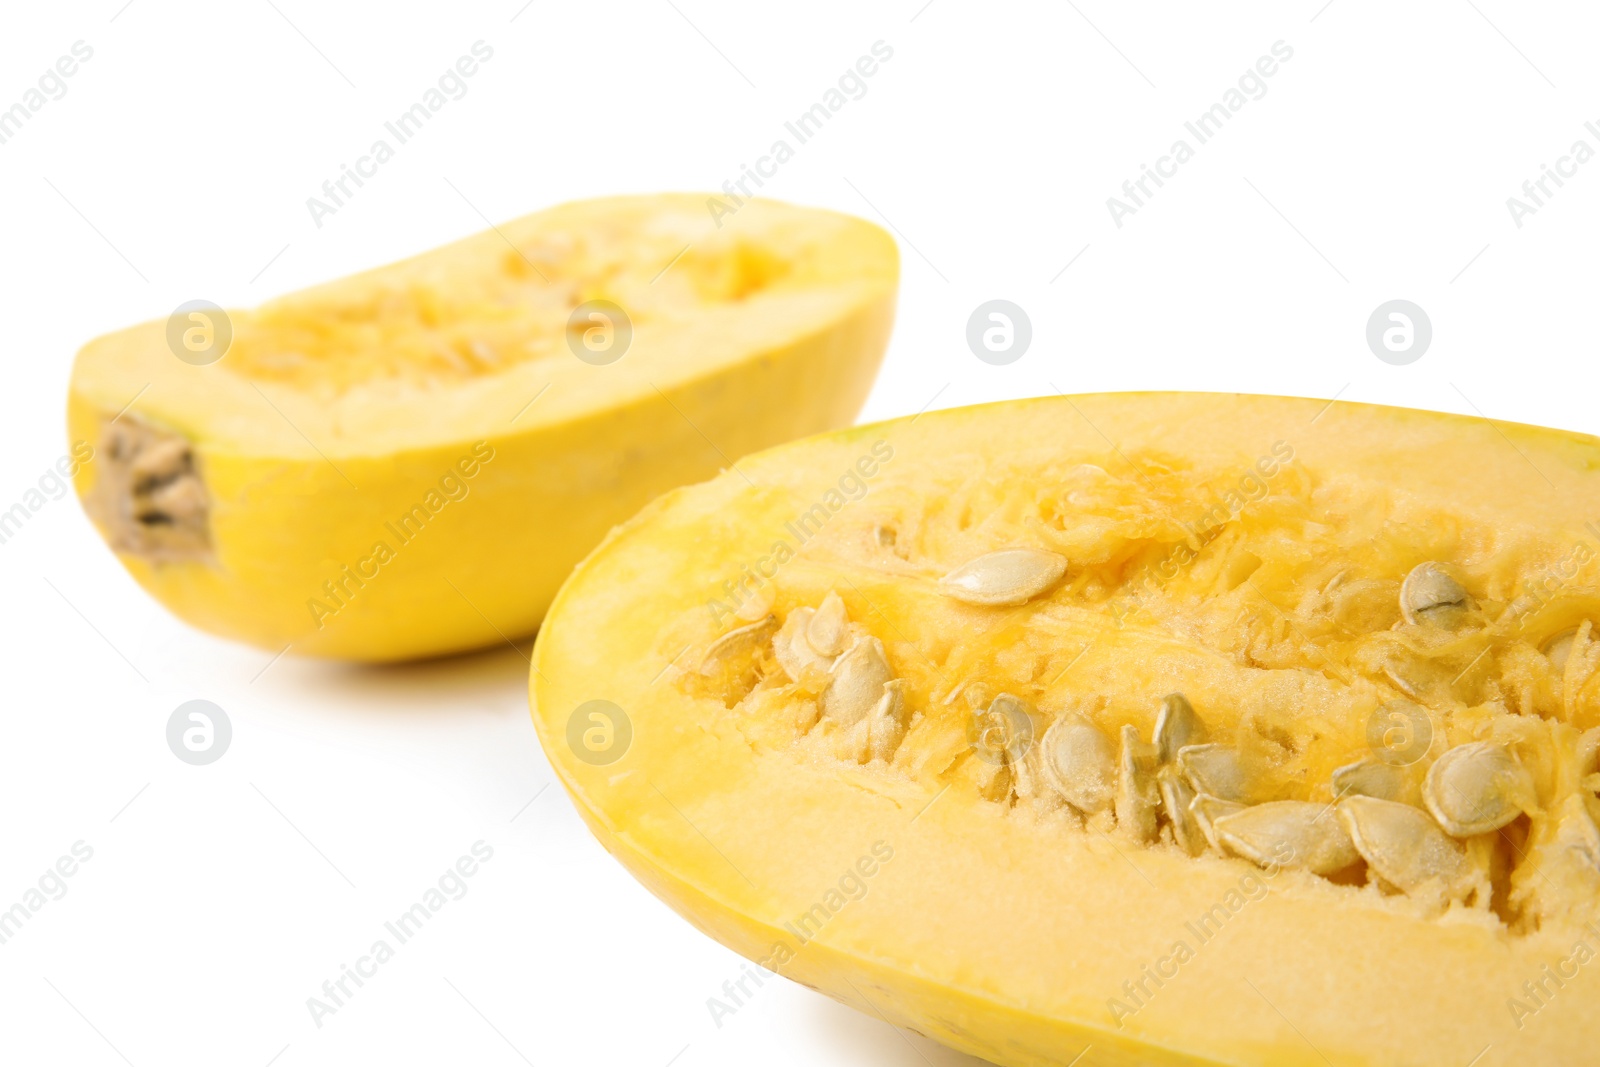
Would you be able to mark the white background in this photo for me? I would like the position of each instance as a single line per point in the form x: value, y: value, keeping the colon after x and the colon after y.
x: 177, y: 167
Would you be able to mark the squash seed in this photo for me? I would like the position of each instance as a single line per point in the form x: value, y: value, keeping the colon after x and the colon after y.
x: 758, y: 606
x: 1401, y: 682
x: 736, y: 641
x: 1559, y: 648
x: 994, y: 780
x: 1586, y: 764
x: 1001, y: 739
x: 1137, y: 795
x: 829, y: 626
x: 1288, y: 833
x: 1176, y: 796
x: 1007, y: 577
x: 1206, y: 810
x: 1368, y: 778
x: 1576, y: 833
x: 162, y: 463
x: 1430, y: 597
x: 1030, y: 782
x: 1003, y: 732
x: 1215, y: 770
x: 887, y: 722
x: 1403, y: 846
x: 880, y: 731
x: 1080, y: 764
x: 1177, y: 726
x: 1477, y: 787
x: 791, y: 649
x: 1579, y: 833
x: 859, y: 675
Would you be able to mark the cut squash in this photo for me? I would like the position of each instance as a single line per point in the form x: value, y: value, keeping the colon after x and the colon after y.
x: 408, y: 462
x: 1120, y: 729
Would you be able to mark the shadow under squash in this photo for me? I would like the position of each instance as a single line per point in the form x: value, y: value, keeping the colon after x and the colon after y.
x: 489, y: 676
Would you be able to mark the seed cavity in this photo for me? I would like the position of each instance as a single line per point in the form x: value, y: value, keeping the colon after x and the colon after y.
x: 149, y: 494
x: 160, y: 463
x: 1476, y: 788
x: 1008, y: 577
x: 1288, y: 833
x: 1198, y: 786
x: 1431, y: 597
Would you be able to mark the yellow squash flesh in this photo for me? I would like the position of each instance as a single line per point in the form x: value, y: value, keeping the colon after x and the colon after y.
x: 1247, y: 551
x: 408, y: 462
